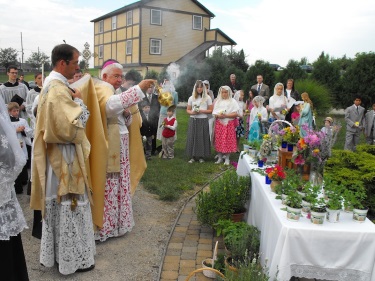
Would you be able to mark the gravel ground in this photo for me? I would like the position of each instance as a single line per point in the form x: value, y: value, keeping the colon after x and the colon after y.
x: 135, y: 256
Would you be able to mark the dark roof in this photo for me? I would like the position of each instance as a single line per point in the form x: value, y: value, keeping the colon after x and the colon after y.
x: 140, y: 4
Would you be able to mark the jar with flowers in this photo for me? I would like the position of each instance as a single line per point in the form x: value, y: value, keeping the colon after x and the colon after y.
x: 276, y: 174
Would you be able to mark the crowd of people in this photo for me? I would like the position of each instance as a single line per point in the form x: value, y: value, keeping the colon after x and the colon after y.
x: 88, y: 139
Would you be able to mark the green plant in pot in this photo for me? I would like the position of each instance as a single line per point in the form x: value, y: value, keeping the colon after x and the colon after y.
x: 227, y: 196
x: 289, y: 184
x: 242, y: 240
x: 355, y: 200
x: 293, y: 205
x: 318, y: 211
x: 311, y: 193
x: 333, y: 193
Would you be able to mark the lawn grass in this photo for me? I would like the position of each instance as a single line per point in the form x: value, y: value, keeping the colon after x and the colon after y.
x: 169, y: 179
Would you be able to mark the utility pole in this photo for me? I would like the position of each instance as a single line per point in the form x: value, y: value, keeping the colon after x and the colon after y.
x: 21, y: 52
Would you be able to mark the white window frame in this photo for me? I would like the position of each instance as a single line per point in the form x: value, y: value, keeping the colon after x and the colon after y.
x: 129, y: 18
x: 129, y: 47
x: 114, y: 22
x: 101, y: 26
x: 152, y: 41
x: 151, y: 15
x: 201, y: 22
x: 101, y: 51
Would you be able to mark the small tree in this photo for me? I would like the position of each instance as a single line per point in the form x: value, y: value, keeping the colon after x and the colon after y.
x: 8, y: 56
x: 292, y: 71
x: 37, y: 58
x: 152, y: 74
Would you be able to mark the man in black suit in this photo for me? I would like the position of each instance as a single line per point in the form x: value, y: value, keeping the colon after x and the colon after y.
x: 151, y: 100
x: 233, y: 84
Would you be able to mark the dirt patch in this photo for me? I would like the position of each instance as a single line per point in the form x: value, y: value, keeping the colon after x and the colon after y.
x: 135, y: 256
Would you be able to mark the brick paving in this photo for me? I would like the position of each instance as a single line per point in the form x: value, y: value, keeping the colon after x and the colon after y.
x: 189, y: 245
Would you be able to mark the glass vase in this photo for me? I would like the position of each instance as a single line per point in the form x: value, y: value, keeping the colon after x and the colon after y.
x: 316, y: 174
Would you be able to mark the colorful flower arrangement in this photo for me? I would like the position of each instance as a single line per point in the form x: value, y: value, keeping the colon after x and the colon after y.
x: 314, y: 148
x: 276, y: 173
x: 291, y: 134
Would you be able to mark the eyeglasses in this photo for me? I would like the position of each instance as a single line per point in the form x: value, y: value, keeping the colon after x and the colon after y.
x: 117, y: 76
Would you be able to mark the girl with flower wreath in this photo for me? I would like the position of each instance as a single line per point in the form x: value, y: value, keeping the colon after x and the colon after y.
x: 198, y: 145
x: 225, y: 112
x: 258, y: 119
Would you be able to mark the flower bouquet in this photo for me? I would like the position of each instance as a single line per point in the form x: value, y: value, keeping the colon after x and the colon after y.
x: 291, y: 134
x: 276, y: 173
x: 266, y: 146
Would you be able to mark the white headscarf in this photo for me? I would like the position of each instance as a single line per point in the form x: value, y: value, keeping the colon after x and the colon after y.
x: 204, y: 94
x: 12, y: 158
x: 259, y: 100
x: 228, y: 105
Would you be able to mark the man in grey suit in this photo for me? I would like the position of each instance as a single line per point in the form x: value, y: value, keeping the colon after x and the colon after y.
x: 369, y: 125
x: 354, y: 118
x: 263, y: 89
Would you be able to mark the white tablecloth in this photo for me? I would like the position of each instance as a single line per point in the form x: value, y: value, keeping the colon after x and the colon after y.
x: 343, y: 251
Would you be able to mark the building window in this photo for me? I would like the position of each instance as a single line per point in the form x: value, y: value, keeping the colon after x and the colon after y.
x: 155, y: 46
x: 197, y: 22
x: 101, y: 47
x: 129, y: 47
x: 101, y: 26
x: 114, y: 22
x: 129, y: 18
x: 156, y: 17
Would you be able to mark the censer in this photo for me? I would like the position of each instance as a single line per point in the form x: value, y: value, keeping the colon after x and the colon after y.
x: 164, y: 98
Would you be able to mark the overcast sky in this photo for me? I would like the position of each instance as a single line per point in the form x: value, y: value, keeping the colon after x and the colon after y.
x: 272, y: 30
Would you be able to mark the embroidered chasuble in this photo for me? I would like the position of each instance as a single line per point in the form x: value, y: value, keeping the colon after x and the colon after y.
x: 58, y: 124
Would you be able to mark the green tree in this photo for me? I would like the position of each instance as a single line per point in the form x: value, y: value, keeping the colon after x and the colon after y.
x: 359, y: 79
x: 8, y: 56
x: 237, y: 59
x: 260, y: 68
x: 319, y: 94
x: 292, y: 71
x: 328, y: 74
x: 82, y: 64
x: 37, y: 58
x: 217, y: 66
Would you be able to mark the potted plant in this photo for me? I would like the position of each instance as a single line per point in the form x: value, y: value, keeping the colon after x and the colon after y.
x: 227, y: 196
x: 333, y: 193
x: 242, y: 241
x: 289, y: 184
x: 310, y: 192
x: 355, y: 199
x: 318, y: 211
x: 293, y: 205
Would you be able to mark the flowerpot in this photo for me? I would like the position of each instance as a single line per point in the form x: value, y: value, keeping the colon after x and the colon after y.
x: 317, y: 217
x: 290, y: 146
x: 359, y: 215
x: 268, y: 181
x: 238, y: 217
x: 274, y: 184
x: 253, y: 152
x: 293, y: 214
x: 260, y: 163
x: 284, y: 144
x: 208, y: 273
x: 333, y: 215
x: 306, y: 207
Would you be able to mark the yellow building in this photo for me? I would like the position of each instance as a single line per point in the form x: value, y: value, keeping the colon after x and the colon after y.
x: 151, y: 34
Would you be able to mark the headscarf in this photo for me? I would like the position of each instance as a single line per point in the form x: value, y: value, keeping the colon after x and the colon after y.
x: 259, y: 100
x: 12, y: 158
x: 195, y: 94
x: 229, y: 105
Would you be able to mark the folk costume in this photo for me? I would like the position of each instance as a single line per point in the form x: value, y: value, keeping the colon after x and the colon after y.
x: 60, y: 185
x: 12, y: 221
x: 224, y: 133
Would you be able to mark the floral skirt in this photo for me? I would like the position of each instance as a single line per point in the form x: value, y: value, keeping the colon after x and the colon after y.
x: 118, y: 210
x: 225, y: 137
